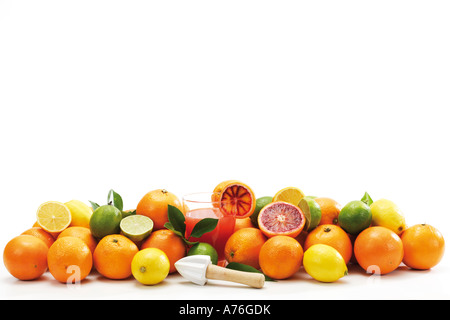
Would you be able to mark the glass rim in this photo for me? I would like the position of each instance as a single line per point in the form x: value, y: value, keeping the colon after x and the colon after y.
x: 200, y: 197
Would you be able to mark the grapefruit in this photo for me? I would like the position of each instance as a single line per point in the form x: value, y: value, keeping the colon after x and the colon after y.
x: 281, y: 218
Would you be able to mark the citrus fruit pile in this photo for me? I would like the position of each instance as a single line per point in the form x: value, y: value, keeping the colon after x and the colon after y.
x: 277, y: 235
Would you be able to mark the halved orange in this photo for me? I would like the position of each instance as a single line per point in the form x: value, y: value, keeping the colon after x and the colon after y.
x: 281, y: 218
x: 234, y: 199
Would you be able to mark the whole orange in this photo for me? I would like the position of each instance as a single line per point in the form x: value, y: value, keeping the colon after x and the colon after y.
x: 41, y: 234
x: 25, y: 257
x: 69, y: 260
x: 424, y: 246
x: 281, y: 257
x: 333, y: 236
x: 82, y: 233
x: 167, y: 241
x: 113, y: 256
x: 244, y: 245
x: 330, y: 210
x: 378, y: 249
x: 243, y: 223
x: 154, y: 205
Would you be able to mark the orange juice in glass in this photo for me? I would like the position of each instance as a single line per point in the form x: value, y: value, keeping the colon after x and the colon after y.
x: 200, y: 206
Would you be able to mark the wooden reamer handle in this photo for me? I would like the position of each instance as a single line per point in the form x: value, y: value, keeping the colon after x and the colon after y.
x: 252, y: 279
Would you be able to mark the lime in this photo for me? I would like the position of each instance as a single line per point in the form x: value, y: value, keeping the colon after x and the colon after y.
x: 385, y: 213
x: 324, y: 263
x: 150, y: 266
x: 126, y: 213
x: 354, y: 217
x: 136, y: 227
x: 81, y: 213
x: 260, y: 203
x: 203, y: 248
x: 312, y: 212
x: 105, y: 220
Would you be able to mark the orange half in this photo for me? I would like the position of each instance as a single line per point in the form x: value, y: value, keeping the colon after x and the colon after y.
x: 235, y: 199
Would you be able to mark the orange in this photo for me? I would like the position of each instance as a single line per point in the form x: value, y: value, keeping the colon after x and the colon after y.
x: 330, y: 210
x: 243, y: 223
x: 424, y: 246
x: 154, y: 205
x: 82, y: 233
x: 236, y: 199
x: 41, y: 234
x: 113, y: 256
x: 333, y: 236
x: 167, y: 241
x: 379, y: 249
x: 69, y: 260
x: 280, y: 257
x: 25, y: 257
x: 244, y: 245
x: 54, y: 234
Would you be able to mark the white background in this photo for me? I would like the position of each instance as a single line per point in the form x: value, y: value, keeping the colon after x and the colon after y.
x: 334, y: 97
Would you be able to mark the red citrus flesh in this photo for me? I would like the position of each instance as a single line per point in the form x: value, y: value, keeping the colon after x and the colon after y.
x: 237, y: 200
x: 281, y: 218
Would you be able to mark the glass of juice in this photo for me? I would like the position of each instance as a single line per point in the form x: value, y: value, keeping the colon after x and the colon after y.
x: 200, y: 206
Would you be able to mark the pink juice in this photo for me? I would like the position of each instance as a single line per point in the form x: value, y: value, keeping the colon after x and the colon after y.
x: 219, y: 236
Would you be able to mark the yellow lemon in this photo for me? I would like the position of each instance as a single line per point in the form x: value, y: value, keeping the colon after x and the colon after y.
x: 324, y: 263
x: 150, y: 266
x: 53, y: 216
x: 291, y: 195
x: 385, y: 213
x: 81, y: 213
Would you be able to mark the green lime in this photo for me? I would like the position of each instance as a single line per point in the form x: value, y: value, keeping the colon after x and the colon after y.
x: 260, y: 203
x: 136, y: 227
x: 105, y: 220
x: 204, y: 248
x: 354, y: 217
x: 312, y: 212
x: 126, y: 213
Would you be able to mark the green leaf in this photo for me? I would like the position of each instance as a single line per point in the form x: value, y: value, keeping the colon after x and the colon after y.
x: 367, y: 199
x: 176, y: 218
x: 94, y: 205
x: 246, y: 268
x: 169, y: 226
x: 204, y: 226
x: 116, y: 199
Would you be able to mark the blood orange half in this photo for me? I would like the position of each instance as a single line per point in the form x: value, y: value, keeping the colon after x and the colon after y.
x: 281, y: 218
x: 235, y: 199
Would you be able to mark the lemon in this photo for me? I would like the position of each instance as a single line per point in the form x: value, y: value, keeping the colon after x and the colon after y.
x: 53, y: 216
x: 150, y: 266
x: 324, y: 263
x: 81, y: 213
x: 290, y: 195
x: 385, y: 213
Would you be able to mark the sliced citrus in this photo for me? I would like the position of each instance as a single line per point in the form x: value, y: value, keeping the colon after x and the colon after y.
x: 312, y: 212
x: 136, y: 227
x: 53, y: 216
x: 281, y: 218
x: 234, y: 199
x: 291, y: 195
